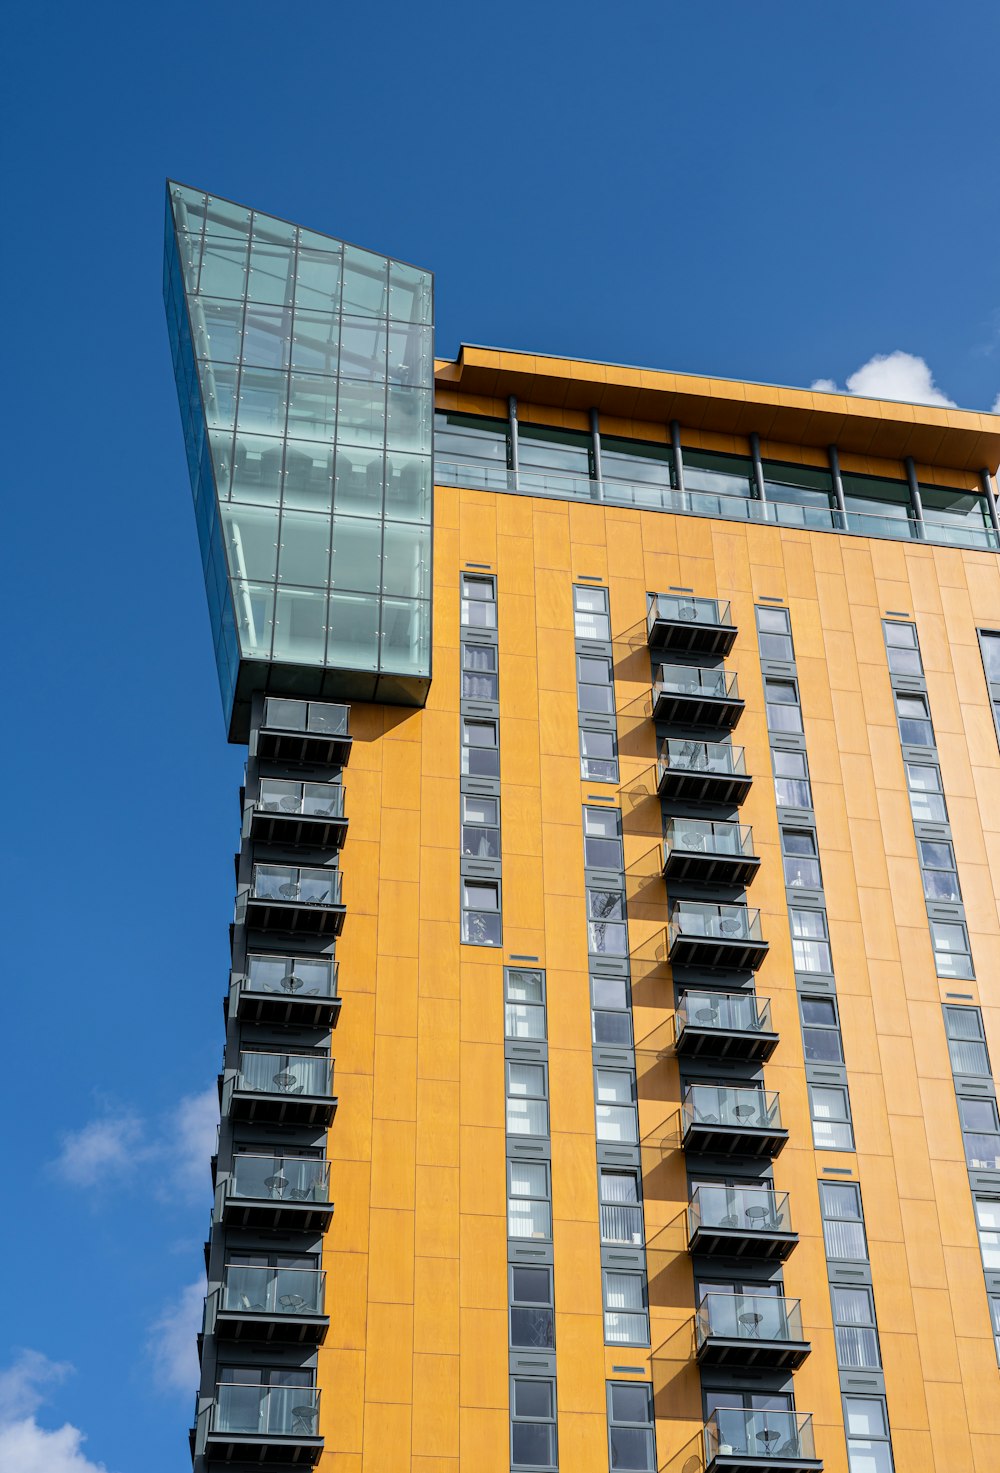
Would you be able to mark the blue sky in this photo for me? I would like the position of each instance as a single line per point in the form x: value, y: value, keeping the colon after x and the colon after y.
x: 781, y: 192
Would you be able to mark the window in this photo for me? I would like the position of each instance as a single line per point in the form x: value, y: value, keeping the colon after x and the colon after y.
x: 598, y: 755
x: 902, y: 649
x: 611, y: 1019
x: 988, y: 1223
x: 989, y: 643
x: 532, y: 1318
x: 615, y: 1107
x: 937, y: 864
x: 621, y: 1206
x: 810, y: 947
x: 981, y: 1133
x: 479, y: 672
x: 479, y: 602
x: 952, y: 957
x: 791, y: 779
x: 626, y: 1321
x: 927, y: 803
x: 480, y: 749
x: 602, y: 845
x: 607, y: 932
x: 995, y: 1321
x: 801, y: 861
x: 527, y: 1100
x: 774, y: 634
x: 471, y: 439
x: 481, y: 912
x: 781, y: 701
x: 821, y: 1031
x: 867, y: 1426
x: 630, y: 1427
x: 481, y: 827
x: 532, y: 1422
x: 542, y: 449
x: 854, y: 1328
x: 831, y: 1118
x: 843, y: 1221
x: 595, y: 684
x: 524, y: 1006
x: 529, y: 1210
x: 591, y: 619
x: 914, y: 718
x: 966, y: 1041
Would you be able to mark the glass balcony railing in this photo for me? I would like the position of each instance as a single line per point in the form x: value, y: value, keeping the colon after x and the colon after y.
x: 288, y: 976
x: 280, y: 1178
x: 266, y: 1411
x: 729, y: 1012
x: 285, y: 1074
x: 260, y: 1290
x: 692, y: 918
x: 621, y: 1223
x: 713, y: 1105
x: 691, y: 680
x: 751, y: 1209
x: 711, y: 757
x: 684, y: 609
x: 317, y: 718
x: 306, y: 800
x: 305, y: 886
x: 749, y: 1434
x: 488, y: 477
x: 703, y: 836
x: 748, y: 1317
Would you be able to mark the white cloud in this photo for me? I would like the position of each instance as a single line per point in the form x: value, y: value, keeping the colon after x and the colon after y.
x: 901, y: 376
x: 995, y: 406
x: 173, y: 1341
x: 174, y: 1150
x: 24, y: 1446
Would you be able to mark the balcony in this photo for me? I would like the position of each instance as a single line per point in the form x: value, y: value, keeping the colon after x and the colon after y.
x: 286, y: 1192
x: 281, y: 1305
x: 299, y: 813
x: 724, y: 1025
x: 702, y: 772
x: 701, y: 626
x: 288, y: 899
x: 312, y: 732
x: 742, y: 1332
x: 263, y: 1425
x: 301, y: 991
x: 695, y: 697
x: 740, y: 1222
x: 731, y: 1122
x: 709, y: 853
x: 283, y: 1089
x: 759, y: 1442
x: 726, y: 936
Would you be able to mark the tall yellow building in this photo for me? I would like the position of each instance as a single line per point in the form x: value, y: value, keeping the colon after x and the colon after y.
x: 607, y: 1079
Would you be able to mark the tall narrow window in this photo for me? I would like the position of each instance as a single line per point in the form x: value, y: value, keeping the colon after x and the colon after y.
x: 988, y: 1223
x: 901, y: 647
x: 479, y: 672
x: 626, y: 1319
x: 914, y: 717
x: 617, y: 1123
x: 952, y: 954
x: 781, y: 702
x: 595, y: 685
x: 801, y: 859
x: 591, y: 619
x: 527, y: 1100
x: 792, y: 788
x: 479, y: 602
x: 810, y: 947
x: 532, y: 1317
x: 843, y: 1221
x: 611, y: 1016
x: 831, y: 1118
x: 480, y: 749
x: 621, y: 1207
x: 529, y: 1209
x: 927, y: 805
x: 480, y: 827
x: 481, y: 912
x: 821, y: 1040
x: 967, y: 1041
x: 937, y: 865
x: 607, y: 929
x: 631, y: 1440
x: 602, y: 845
x: 980, y: 1133
x: 866, y: 1423
x: 532, y: 1422
x: 524, y: 1003
x: 598, y: 755
x: 774, y: 634
x: 854, y: 1328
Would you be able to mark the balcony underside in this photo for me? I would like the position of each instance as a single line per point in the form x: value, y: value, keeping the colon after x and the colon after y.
x: 266, y: 1107
x: 294, y: 1450
x: 715, y: 1139
x: 741, y: 1242
x: 298, y: 830
x: 705, y: 868
x: 277, y: 1213
x: 303, y: 748
x: 751, y: 1046
x: 758, y: 1463
x: 294, y: 917
x: 740, y: 1353
x: 262, y: 1326
x: 729, y: 953
x: 301, y: 1009
x: 688, y: 636
x: 688, y: 708
x: 689, y: 785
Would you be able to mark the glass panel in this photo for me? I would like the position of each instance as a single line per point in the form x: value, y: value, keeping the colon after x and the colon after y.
x: 360, y: 476
x: 304, y: 556
x: 271, y: 273
x: 312, y: 407
x: 366, y: 283
x: 315, y: 346
x: 353, y: 637
x: 407, y: 486
x: 300, y: 625
x: 317, y: 280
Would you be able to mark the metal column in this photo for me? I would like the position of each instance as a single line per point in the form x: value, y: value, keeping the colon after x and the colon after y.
x: 597, y: 493
x: 675, y: 441
x: 918, y: 505
x: 512, y: 452
x: 838, y: 484
x: 758, y: 467
x: 986, y: 481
